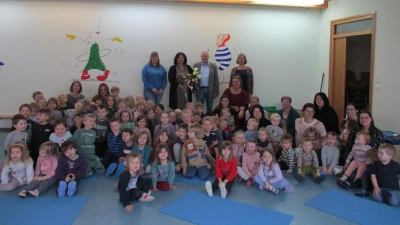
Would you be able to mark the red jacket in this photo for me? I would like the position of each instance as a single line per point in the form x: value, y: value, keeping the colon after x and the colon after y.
x: 228, y: 169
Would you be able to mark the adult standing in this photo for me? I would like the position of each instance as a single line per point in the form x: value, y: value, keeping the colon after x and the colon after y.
x: 301, y: 124
x: 209, y: 84
x: 245, y: 73
x: 325, y: 113
x: 288, y: 117
x: 238, y: 100
x: 154, y: 78
x: 178, y: 96
x: 102, y: 92
x: 75, y: 94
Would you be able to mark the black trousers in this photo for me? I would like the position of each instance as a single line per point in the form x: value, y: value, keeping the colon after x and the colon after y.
x: 228, y: 185
x: 100, y: 148
x: 141, y: 186
x: 108, y: 159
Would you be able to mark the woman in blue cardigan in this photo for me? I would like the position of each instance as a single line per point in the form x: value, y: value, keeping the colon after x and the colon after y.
x: 154, y: 77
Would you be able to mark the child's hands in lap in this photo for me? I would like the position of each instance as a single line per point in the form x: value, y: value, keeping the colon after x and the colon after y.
x: 129, y: 208
x: 288, y: 172
x: 154, y: 189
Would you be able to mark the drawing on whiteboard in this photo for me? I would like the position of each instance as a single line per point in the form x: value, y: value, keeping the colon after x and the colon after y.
x: 1, y: 63
x: 222, y: 54
x: 93, y: 57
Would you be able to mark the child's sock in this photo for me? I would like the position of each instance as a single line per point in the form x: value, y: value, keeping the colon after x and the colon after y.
x: 110, y: 169
x: 34, y: 193
x: 71, y: 188
x: 344, y: 177
x: 120, y: 169
x: 209, y: 188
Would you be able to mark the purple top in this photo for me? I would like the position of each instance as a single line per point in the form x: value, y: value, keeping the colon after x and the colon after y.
x: 67, y: 166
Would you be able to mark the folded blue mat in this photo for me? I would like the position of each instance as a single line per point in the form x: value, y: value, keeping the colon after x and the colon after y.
x: 197, y: 207
x: 91, y: 178
x: 40, y: 211
x: 194, y: 180
x: 355, y: 209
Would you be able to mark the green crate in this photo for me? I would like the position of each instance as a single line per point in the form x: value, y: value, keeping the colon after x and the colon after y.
x: 269, y: 108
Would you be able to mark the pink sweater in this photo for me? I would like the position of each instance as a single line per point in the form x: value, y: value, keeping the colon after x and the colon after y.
x: 251, y: 163
x: 46, y: 166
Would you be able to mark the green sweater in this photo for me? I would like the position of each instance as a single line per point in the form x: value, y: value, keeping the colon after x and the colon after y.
x: 85, y: 141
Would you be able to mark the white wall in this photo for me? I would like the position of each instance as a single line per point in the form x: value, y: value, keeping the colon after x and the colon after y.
x: 385, y: 107
x: 281, y: 45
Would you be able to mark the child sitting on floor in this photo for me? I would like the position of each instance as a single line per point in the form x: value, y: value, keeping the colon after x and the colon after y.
x: 163, y: 170
x: 19, y: 134
x: 359, y: 162
x: 225, y: 171
x: 269, y: 175
x: 17, y: 169
x: 287, y: 159
x: 384, y: 175
x: 70, y: 169
x: 131, y: 185
x: 307, y: 162
x: 45, y: 171
x: 143, y: 148
x: 366, y: 182
x: 274, y: 131
x: 85, y: 140
x: 250, y: 162
x: 195, y: 156
x: 330, y: 153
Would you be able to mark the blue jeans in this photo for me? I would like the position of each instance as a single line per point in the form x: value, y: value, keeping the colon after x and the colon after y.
x: 280, y: 184
x: 149, y: 95
x: 203, y: 172
x: 204, y: 93
x: 389, y: 196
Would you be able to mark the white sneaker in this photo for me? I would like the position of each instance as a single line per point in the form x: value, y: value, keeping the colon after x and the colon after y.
x: 146, y: 198
x: 261, y: 187
x: 223, y: 190
x: 209, y: 188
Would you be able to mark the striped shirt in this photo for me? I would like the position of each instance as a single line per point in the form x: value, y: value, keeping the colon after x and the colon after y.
x: 359, y: 153
x: 301, y: 126
x: 114, y: 142
x: 289, y: 157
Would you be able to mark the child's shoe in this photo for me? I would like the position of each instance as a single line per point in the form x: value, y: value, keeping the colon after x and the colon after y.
x: 110, y: 169
x: 261, y: 187
x: 319, y: 179
x: 120, y: 169
x: 249, y: 183
x: 356, y: 183
x: 299, y: 177
x: 22, y: 194
x: 362, y: 193
x: 71, y: 188
x: 146, y: 198
x: 274, y: 190
x: 34, y: 193
x: 240, y: 180
x: 343, y: 184
x: 209, y: 188
x: 223, y: 190
x: 61, y: 189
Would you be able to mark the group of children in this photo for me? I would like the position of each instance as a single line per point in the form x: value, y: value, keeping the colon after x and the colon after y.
x: 145, y: 147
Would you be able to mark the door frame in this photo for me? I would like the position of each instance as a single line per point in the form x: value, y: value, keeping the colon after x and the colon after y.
x: 333, y: 63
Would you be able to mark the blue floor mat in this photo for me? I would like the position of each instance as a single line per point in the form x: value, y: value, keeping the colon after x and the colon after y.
x: 40, y: 211
x: 197, y: 207
x: 194, y: 180
x: 91, y: 178
x: 355, y: 209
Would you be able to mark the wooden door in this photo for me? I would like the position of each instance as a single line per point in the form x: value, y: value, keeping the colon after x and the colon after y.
x: 338, y: 83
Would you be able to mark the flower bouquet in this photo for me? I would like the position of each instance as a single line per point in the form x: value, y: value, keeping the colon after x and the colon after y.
x: 191, y: 81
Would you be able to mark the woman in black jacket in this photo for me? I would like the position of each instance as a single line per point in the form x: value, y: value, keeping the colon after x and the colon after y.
x: 325, y: 113
x: 178, y: 97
